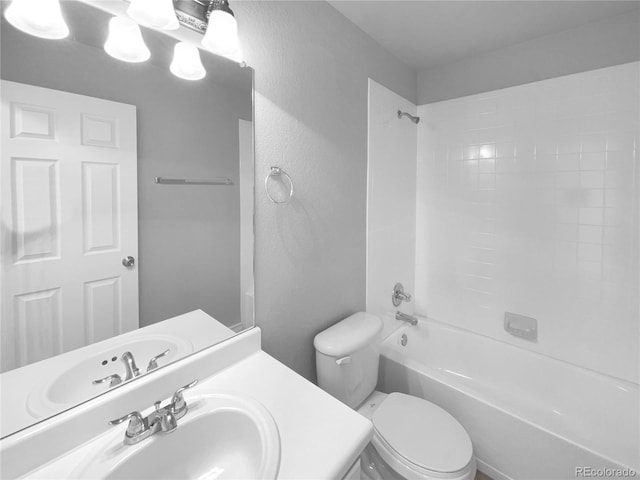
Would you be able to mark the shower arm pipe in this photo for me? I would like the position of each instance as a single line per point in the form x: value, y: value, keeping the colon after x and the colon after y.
x: 413, y: 118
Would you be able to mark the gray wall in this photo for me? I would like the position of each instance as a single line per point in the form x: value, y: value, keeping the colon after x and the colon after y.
x: 189, y: 236
x: 312, y: 66
x: 604, y: 43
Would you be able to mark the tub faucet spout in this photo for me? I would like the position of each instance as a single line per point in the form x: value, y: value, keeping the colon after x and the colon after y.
x: 406, y: 318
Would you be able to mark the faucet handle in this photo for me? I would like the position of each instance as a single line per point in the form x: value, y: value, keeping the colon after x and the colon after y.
x: 136, y: 423
x: 153, y: 363
x: 398, y: 296
x: 177, y: 401
x: 114, y: 380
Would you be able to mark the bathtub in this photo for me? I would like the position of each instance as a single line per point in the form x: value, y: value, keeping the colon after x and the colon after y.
x: 529, y: 416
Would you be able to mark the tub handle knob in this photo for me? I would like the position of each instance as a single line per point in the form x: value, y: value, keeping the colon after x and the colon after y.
x: 399, y: 295
x: 344, y: 360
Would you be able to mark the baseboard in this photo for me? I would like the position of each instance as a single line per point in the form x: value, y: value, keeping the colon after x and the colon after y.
x: 490, y: 471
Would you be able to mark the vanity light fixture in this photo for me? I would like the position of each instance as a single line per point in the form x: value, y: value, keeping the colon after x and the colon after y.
x: 186, y: 62
x: 41, y: 18
x: 125, y: 41
x: 221, y: 36
x: 154, y: 13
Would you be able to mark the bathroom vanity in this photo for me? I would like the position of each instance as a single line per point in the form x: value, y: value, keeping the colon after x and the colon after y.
x: 242, y: 393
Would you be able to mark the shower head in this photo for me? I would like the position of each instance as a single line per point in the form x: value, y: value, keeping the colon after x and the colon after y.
x: 413, y: 118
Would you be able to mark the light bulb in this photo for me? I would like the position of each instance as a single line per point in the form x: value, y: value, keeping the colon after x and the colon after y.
x: 221, y: 36
x: 154, y: 13
x: 186, y: 62
x: 125, y: 41
x: 41, y: 18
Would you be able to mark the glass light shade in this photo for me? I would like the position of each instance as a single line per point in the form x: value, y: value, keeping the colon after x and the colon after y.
x: 125, y: 41
x: 186, y: 62
x: 154, y: 13
x: 221, y: 36
x: 41, y: 18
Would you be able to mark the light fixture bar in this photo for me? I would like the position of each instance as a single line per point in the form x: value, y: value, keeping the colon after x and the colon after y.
x: 192, y: 14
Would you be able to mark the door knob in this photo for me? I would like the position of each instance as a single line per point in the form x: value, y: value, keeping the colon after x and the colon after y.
x: 128, y: 261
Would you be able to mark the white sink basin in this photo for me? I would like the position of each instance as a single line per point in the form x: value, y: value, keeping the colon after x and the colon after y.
x: 74, y: 384
x: 221, y: 437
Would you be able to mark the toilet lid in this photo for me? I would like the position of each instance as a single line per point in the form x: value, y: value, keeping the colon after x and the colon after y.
x: 423, y: 433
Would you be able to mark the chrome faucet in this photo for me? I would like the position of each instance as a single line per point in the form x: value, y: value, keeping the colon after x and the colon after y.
x: 406, y: 318
x: 131, y: 369
x: 113, y: 380
x: 162, y: 419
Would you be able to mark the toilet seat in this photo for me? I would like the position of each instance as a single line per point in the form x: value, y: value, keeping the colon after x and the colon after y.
x: 419, y: 439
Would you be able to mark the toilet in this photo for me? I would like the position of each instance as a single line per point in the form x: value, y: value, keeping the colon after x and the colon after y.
x: 413, y: 438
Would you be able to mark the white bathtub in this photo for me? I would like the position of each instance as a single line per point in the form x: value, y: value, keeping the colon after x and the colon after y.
x: 529, y: 416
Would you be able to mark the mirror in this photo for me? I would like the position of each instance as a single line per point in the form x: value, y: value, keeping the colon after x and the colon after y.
x: 127, y: 212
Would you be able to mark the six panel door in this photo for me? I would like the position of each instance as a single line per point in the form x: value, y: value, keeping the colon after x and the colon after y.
x: 68, y: 187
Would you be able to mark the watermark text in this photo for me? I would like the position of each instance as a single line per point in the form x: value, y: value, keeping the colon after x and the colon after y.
x: 591, y: 472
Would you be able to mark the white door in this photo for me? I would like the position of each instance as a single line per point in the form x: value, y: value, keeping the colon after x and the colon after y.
x: 68, y: 187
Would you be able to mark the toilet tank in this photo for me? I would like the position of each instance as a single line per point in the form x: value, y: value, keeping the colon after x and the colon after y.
x: 347, y: 357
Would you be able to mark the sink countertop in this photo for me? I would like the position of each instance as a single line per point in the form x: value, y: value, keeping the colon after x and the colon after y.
x: 320, y: 437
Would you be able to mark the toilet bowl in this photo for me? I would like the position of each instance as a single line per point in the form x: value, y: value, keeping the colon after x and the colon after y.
x: 413, y: 438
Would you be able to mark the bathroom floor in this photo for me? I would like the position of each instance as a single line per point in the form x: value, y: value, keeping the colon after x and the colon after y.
x: 482, y: 476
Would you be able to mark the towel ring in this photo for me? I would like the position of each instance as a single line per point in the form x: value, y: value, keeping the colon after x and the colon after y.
x: 277, y: 172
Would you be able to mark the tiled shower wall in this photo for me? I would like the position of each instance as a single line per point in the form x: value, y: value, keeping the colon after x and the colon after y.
x: 527, y: 202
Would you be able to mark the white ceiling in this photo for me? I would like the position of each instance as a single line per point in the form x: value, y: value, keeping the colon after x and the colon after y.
x: 425, y: 34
